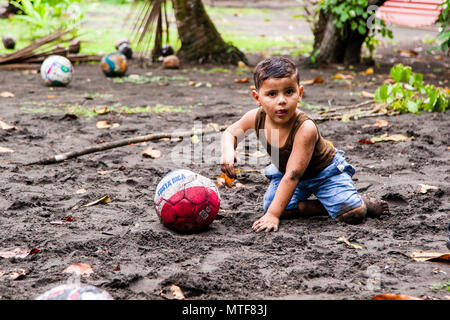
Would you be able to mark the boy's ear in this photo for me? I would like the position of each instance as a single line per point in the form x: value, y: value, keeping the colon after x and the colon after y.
x: 256, y: 97
x: 301, y: 91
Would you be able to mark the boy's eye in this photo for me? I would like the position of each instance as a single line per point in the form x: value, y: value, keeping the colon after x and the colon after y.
x: 272, y: 94
x: 289, y: 91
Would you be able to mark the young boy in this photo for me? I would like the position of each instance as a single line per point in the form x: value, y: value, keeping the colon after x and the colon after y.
x: 303, y: 163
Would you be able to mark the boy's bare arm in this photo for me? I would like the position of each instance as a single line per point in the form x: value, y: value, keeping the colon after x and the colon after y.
x: 229, y: 141
x: 302, y: 150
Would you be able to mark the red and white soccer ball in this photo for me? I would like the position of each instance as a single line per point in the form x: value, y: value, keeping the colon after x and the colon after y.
x: 186, y: 201
x: 75, y: 292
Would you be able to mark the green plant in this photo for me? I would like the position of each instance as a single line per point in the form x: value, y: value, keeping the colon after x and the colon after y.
x: 44, y: 17
x: 439, y: 286
x: 408, y: 93
x: 443, y: 38
x: 356, y: 15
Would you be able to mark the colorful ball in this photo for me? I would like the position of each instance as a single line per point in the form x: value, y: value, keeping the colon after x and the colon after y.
x: 56, y: 71
x: 186, y: 201
x: 75, y: 292
x: 114, y: 64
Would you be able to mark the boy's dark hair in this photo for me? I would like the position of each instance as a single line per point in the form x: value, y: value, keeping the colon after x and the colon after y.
x: 274, y: 67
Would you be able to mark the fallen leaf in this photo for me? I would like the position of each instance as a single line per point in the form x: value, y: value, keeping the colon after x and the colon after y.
x: 7, y: 94
x: 175, y: 293
x: 239, y: 185
x: 152, y: 153
x: 228, y: 180
x: 117, y: 268
x: 18, y: 253
x: 241, y: 64
x: 15, y: 274
x: 103, y: 124
x: 243, y: 80
x: 317, y: 79
x: 366, y: 94
x: 5, y: 126
x: 392, y: 296
x: 350, y: 147
x: 424, y: 188
x: 51, y: 97
x: 366, y: 141
x: 381, y: 123
x: 369, y: 71
x: 80, y: 191
x: 103, y: 200
x: 81, y: 269
x: 397, y: 138
x: 344, y: 239
x: 4, y: 150
x: 430, y: 256
x: 191, y: 83
x: 341, y: 76
x: 100, y: 110
x: 407, y: 53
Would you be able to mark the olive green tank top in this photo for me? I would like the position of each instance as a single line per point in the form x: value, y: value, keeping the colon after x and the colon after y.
x: 322, y: 155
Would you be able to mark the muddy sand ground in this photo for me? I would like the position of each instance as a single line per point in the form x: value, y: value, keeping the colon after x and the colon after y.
x: 134, y: 256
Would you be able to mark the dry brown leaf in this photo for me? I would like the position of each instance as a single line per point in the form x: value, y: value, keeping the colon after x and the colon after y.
x: 5, y: 150
x: 369, y: 71
x: 103, y: 124
x: 100, y: 109
x: 392, y: 296
x: 381, y: 123
x: 177, y: 292
x: 228, y: 180
x: 15, y: 274
x: 103, y: 200
x: 80, y: 268
x: 430, y: 256
x: 317, y: 79
x: 407, y: 53
x: 366, y: 94
x: 16, y: 253
x: 341, y: 76
x: 5, y: 126
x: 397, y: 138
x: 7, y: 94
x: 243, y: 80
x: 152, y: 153
x: 344, y: 239
x: 241, y: 64
x: 424, y: 188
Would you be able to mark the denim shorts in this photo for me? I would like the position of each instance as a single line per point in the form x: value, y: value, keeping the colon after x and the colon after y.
x: 333, y: 187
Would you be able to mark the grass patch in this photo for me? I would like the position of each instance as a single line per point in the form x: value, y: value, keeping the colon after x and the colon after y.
x: 90, y: 112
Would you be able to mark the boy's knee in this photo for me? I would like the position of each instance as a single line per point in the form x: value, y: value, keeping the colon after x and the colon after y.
x: 354, y: 216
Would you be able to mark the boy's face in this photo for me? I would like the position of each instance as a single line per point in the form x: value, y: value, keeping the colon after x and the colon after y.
x: 279, y: 98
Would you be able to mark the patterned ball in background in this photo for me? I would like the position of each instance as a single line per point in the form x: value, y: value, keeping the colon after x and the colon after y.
x: 75, y: 292
x: 56, y: 71
x: 114, y: 64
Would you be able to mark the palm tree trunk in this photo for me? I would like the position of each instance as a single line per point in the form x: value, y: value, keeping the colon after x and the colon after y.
x: 200, y: 40
x: 331, y: 46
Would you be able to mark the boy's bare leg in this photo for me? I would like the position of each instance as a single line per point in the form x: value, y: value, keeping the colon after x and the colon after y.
x: 370, y: 207
x: 306, y: 209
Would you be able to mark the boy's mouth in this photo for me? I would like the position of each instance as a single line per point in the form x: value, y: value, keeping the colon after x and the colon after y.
x: 281, y: 112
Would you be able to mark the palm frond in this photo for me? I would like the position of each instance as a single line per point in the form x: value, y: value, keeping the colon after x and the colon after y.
x: 147, y: 34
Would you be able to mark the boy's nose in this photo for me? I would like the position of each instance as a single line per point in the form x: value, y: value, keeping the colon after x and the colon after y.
x: 282, y: 99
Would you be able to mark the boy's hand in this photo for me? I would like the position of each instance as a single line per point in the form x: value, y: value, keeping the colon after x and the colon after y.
x: 227, y: 165
x: 267, y: 222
